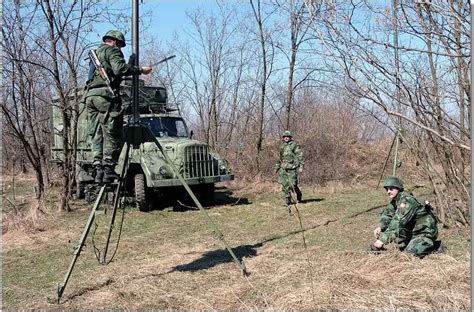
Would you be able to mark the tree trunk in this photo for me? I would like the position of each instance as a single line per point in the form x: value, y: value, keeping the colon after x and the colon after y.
x: 289, y: 90
x: 64, y: 204
x: 263, y: 82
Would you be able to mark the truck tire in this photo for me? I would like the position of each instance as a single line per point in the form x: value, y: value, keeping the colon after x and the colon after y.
x: 207, y: 194
x: 89, y: 194
x: 79, y: 190
x: 140, y: 192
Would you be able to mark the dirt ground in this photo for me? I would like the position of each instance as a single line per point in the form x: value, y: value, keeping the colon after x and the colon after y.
x: 170, y: 259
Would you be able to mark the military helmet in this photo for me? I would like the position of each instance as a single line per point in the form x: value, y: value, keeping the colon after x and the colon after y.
x: 287, y: 133
x: 115, y: 34
x: 393, y: 181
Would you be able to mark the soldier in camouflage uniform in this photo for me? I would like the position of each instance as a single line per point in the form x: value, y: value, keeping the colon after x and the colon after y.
x: 104, y: 109
x: 288, y: 166
x: 406, y: 222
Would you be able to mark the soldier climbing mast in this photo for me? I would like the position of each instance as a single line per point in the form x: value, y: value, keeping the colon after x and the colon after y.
x: 102, y: 103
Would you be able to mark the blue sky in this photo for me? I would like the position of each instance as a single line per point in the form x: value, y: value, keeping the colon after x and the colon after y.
x: 168, y: 16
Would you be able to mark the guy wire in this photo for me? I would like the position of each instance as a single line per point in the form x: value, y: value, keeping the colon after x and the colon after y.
x: 120, y: 229
x: 310, y: 267
x: 120, y: 194
x: 386, y: 159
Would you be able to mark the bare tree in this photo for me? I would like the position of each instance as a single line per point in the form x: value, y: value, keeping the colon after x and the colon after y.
x: 299, y: 35
x: 205, y: 69
x: 427, y: 72
x: 266, y: 54
x: 49, y: 43
x: 23, y: 114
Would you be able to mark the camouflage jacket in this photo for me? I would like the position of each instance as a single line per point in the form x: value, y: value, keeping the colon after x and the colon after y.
x: 410, y: 219
x: 114, y: 64
x: 387, y: 215
x: 291, y: 156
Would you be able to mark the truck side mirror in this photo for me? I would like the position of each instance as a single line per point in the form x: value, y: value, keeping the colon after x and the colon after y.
x: 191, y: 133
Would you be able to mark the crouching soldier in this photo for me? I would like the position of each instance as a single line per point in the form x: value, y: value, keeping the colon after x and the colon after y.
x: 406, y: 222
x: 288, y: 165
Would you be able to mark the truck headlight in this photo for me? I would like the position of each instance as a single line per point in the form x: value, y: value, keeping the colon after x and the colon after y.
x: 222, y: 169
x: 164, y: 172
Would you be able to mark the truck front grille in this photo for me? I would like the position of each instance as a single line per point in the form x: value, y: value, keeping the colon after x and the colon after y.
x: 198, y: 162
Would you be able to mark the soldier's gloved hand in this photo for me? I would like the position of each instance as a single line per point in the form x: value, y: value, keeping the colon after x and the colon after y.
x: 378, y: 244
x: 377, y: 232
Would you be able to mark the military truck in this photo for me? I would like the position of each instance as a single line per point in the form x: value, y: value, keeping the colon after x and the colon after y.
x: 149, y: 177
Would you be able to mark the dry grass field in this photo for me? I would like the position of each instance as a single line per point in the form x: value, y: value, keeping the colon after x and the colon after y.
x: 170, y: 260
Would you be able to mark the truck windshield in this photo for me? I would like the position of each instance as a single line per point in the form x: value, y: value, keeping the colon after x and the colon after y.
x: 166, y: 126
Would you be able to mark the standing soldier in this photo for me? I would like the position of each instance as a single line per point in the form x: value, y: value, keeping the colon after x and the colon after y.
x: 104, y: 104
x: 406, y: 222
x: 288, y: 166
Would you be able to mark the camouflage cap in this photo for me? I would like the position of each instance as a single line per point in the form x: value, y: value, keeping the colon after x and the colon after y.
x: 287, y: 133
x: 117, y: 35
x: 393, y: 181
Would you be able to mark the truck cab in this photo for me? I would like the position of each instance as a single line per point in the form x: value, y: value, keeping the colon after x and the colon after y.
x: 149, y: 177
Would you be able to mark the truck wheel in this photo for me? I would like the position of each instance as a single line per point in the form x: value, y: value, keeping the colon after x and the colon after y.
x: 89, y: 194
x: 140, y: 192
x: 207, y: 194
x: 79, y: 190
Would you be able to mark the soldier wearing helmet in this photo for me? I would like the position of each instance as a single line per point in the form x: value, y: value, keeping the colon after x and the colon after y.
x: 288, y: 165
x: 406, y: 222
x: 115, y: 35
x: 104, y: 108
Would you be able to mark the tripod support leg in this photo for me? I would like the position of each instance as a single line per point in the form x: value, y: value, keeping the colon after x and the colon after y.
x: 121, y: 180
x: 386, y: 159
x: 220, y: 236
x: 395, y: 157
x: 77, y: 252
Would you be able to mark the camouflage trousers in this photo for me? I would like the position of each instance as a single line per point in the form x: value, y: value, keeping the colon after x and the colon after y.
x: 289, y: 180
x: 420, y: 246
x: 105, y: 129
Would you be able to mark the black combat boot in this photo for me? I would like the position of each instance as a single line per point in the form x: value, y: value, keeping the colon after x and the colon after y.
x: 99, y: 174
x: 299, y: 195
x: 109, y: 175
